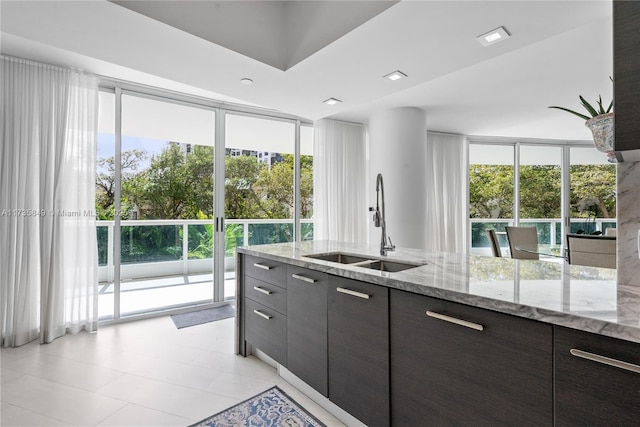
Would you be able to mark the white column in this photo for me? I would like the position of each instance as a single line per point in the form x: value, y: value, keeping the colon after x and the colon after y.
x: 397, y: 149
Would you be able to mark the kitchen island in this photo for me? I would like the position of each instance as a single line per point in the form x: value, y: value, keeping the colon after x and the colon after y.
x: 461, y: 338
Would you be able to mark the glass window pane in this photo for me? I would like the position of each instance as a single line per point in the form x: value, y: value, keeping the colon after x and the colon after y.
x: 259, y: 192
x: 167, y: 205
x: 593, y: 191
x: 540, y: 191
x: 306, y: 182
x: 491, y: 177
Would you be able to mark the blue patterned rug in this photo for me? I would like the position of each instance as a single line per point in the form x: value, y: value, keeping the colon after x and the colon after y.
x: 271, y: 408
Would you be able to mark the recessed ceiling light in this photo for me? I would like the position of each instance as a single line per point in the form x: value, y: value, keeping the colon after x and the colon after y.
x: 493, y: 36
x: 246, y: 81
x: 396, y: 75
x: 331, y: 101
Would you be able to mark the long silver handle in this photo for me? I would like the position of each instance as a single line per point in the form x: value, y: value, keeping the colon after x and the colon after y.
x: 605, y: 360
x: 261, y: 314
x: 450, y: 319
x: 264, y: 291
x: 303, y: 278
x: 353, y: 293
x: 262, y: 266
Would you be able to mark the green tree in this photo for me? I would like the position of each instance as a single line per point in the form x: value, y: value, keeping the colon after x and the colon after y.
x: 593, y: 191
x: 540, y: 191
x: 490, y: 191
x: 130, y: 162
x: 240, y: 198
x: 175, y: 185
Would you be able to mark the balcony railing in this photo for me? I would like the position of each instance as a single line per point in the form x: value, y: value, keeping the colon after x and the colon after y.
x: 549, y: 230
x: 156, y: 248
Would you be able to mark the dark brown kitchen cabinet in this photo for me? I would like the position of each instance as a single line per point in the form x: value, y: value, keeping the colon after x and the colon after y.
x: 597, y: 379
x: 359, y: 349
x: 264, y: 309
x: 266, y: 329
x: 307, y: 326
x: 626, y: 73
x: 452, y: 364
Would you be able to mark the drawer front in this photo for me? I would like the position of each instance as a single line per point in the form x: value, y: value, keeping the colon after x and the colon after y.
x: 266, y: 294
x: 307, y: 326
x: 358, y: 330
x: 591, y: 390
x: 269, y: 271
x: 266, y: 329
x: 459, y: 365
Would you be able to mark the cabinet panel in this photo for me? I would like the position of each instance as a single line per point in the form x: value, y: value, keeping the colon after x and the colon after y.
x: 593, y: 393
x: 266, y: 294
x: 266, y: 329
x: 359, y: 349
x: 307, y: 326
x: 626, y: 39
x: 443, y: 373
x: 266, y: 270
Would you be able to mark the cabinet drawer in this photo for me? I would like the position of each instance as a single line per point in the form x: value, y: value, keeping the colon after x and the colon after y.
x: 266, y: 294
x: 269, y: 271
x: 307, y: 326
x: 462, y: 365
x: 590, y: 392
x: 358, y: 330
x: 266, y: 329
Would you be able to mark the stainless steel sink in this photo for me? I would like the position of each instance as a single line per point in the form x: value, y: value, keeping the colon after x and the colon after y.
x: 365, y: 262
x: 339, y: 257
x: 390, y: 266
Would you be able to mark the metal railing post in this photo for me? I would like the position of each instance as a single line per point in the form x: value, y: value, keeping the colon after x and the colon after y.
x: 185, y: 248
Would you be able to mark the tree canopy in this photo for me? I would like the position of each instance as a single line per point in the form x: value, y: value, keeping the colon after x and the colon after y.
x: 491, y: 191
x: 180, y: 185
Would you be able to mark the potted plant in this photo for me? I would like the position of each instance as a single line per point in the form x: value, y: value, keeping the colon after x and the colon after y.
x: 600, y: 122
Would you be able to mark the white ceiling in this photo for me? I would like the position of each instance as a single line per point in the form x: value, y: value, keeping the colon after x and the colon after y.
x: 558, y: 50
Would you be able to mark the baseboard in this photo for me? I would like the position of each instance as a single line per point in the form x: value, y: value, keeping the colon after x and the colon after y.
x: 312, y: 394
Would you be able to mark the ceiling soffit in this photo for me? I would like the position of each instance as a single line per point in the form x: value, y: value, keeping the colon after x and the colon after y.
x: 277, y: 33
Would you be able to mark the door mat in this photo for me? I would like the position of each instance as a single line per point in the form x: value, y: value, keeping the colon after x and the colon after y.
x: 271, y: 408
x: 199, y: 317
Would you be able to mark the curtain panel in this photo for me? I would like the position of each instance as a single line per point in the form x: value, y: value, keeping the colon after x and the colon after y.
x: 48, y: 254
x: 339, y: 179
x: 447, y: 193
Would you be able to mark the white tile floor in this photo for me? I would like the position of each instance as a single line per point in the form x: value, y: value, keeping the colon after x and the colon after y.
x: 143, y: 373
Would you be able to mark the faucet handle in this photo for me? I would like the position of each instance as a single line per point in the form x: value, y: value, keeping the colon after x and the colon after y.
x: 390, y: 246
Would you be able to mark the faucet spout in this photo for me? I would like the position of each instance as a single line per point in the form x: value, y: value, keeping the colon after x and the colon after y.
x: 379, y: 218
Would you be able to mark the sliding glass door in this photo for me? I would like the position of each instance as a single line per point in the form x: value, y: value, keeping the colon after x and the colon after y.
x: 259, y: 196
x: 180, y: 184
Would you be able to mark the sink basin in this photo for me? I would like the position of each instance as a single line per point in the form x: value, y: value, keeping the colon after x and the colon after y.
x: 339, y: 258
x: 365, y: 262
x: 390, y: 266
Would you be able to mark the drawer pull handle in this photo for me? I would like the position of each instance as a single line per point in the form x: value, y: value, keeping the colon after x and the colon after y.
x: 262, y: 266
x: 262, y: 290
x: 261, y: 314
x: 303, y: 278
x: 460, y: 322
x: 353, y: 293
x: 605, y: 360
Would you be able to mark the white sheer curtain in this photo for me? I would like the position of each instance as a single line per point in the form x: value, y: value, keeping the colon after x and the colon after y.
x: 48, y: 254
x: 339, y: 179
x: 447, y: 192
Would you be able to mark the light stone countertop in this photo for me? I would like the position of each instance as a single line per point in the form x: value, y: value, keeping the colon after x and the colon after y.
x: 552, y: 291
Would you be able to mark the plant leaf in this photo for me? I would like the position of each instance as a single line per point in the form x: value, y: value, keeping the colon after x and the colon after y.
x: 610, y: 107
x: 588, y: 107
x: 572, y: 112
x: 600, y: 107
